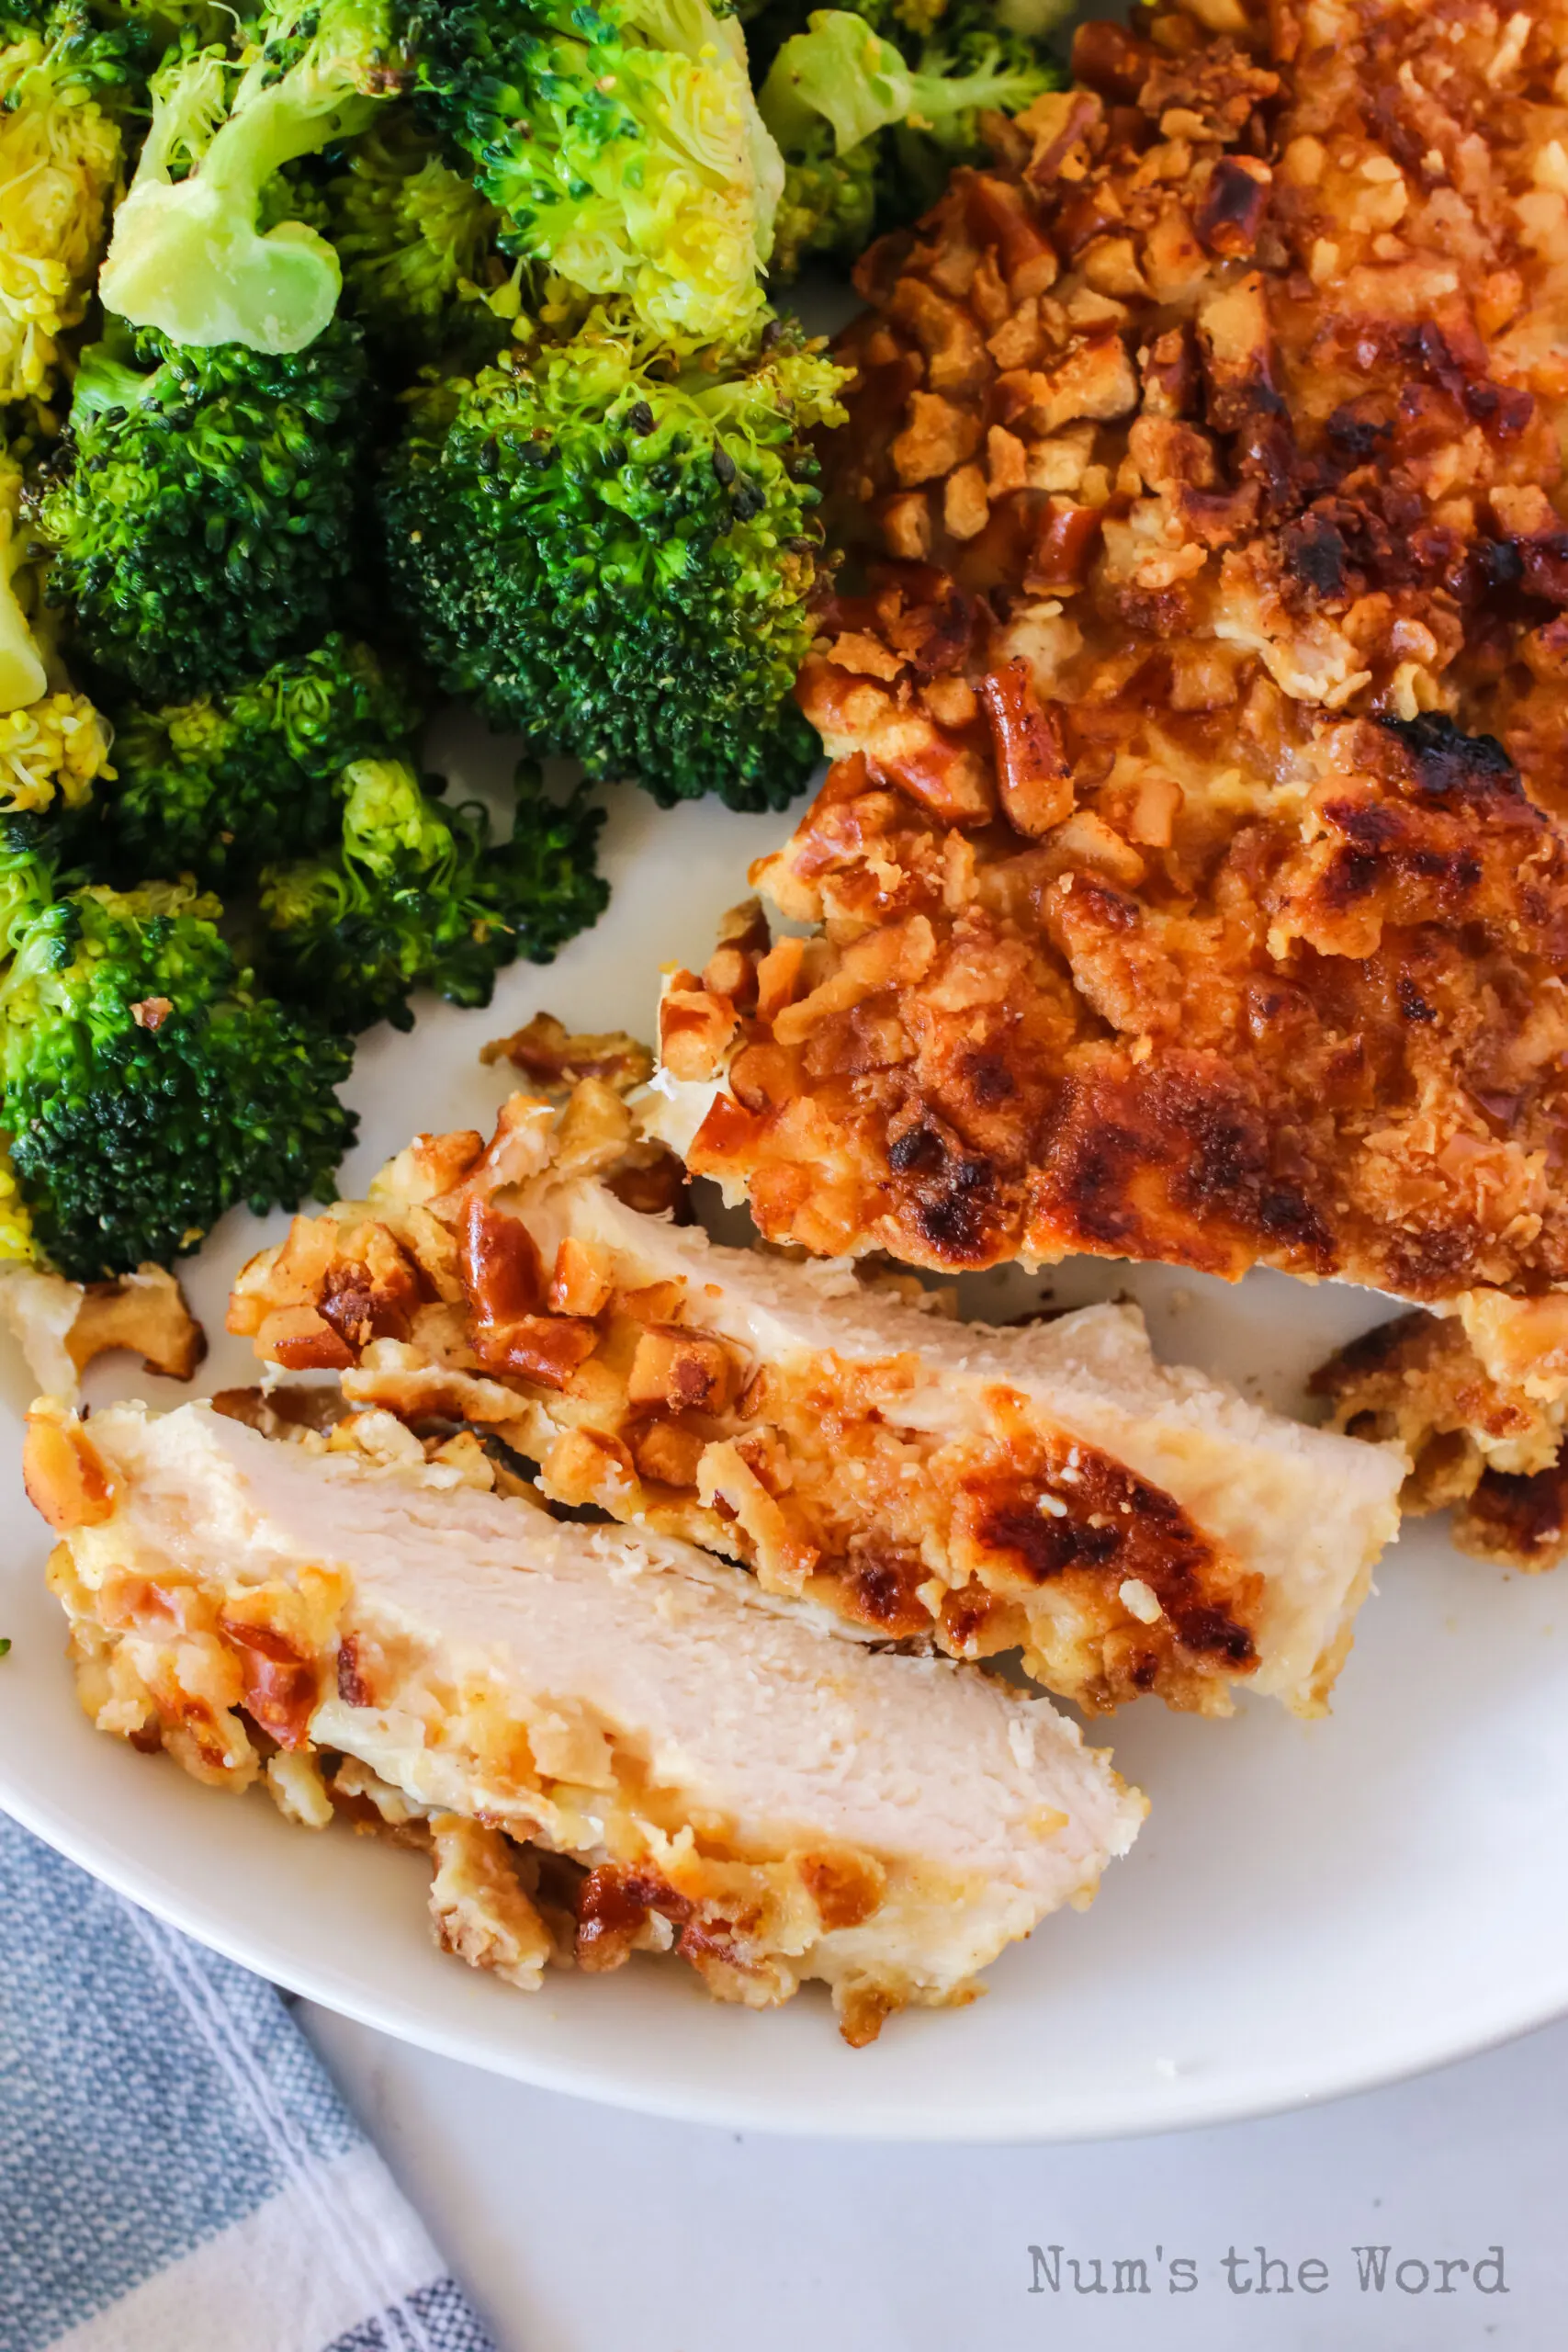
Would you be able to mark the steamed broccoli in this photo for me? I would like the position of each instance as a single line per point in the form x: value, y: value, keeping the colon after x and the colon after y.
x: 221, y: 787
x: 23, y: 674
x: 418, y: 247
x: 189, y: 256
x: 829, y: 201
x: 64, y: 85
x: 203, y: 519
x: 617, y: 558
x: 621, y: 144
x: 418, y: 896
x: 52, y: 752
x: 144, y: 1088
x: 872, y: 129
x: 54, y: 746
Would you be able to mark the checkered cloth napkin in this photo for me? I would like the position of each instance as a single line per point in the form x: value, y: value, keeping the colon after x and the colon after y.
x: 178, y: 2173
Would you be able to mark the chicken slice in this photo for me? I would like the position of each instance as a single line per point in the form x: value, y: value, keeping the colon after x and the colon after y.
x: 779, y: 1801
x: 1052, y: 1488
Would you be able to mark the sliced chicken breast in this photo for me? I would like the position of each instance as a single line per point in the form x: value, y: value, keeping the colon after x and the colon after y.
x: 725, y: 1773
x: 1129, y: 1527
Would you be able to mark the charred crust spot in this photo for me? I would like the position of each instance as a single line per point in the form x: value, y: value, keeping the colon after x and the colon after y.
x: 1501, y: 565
x: 917, y: 1152
x: 964, y: 1613
x: 1412, y: 1003
x: 954, y: 1221
x: 952, y: 1190
x: 1086, y: 1514
x: 352, y: 1687
x: 1449, y: 766
x: 1315, y: 557
x: 1201, y: 1135
x: 1517, y: 1518
x: 880, y: 1590
x: 989, y: 1079
x: 1209, y: 1632
x: 1046, y: 1547
x: 1383, y: 1349
x: 1356, y: 436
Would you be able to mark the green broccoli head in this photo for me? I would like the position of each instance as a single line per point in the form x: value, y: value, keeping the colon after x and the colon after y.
x: 55, y: 745
x: 829, y: 202
x: 203, y: 522
x: 617, y: 560
x: 145, y: 1089
x: 65, y: 83
x: 870, y: 128
x: 223, y: 785
x: 190, y: 256
x: 418, y: 247
x: 980, y: 65
x: 24, y: 673
x: 621, y: 144
x: 418, y: 896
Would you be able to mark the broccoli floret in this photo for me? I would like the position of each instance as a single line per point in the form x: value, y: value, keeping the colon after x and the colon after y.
x: 829, y: 202
x: 23, y: 673
x: 417, y: 895
x: 145, y: 1089
x: 52, y: 752
x: 189, y: 254
x: 203, y: 521
x: 983, y: 64
x: 418, y: 247
x: 54, y: 746
x: 873, y: 130
x: 617, y: 560
x: 621, y: 141
x: 220, y: 787
x: 64, y: 85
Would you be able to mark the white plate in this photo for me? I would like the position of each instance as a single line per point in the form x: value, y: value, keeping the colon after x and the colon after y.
x: 1312, y: 1909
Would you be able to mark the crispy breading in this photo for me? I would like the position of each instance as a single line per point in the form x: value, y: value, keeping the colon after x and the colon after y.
x: 1477, y: 1442
x: 1130, y: 1528
x: 607, y: 1741
x: 1191, y: 884
x: 63, y: 1327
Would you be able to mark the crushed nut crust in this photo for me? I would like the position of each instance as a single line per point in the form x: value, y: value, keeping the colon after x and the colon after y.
x: 566, y: 1815
x: 1191, y: 882
x: 843, y: 1464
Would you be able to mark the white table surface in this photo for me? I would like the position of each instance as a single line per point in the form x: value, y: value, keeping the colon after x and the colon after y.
x: 577, y: 2229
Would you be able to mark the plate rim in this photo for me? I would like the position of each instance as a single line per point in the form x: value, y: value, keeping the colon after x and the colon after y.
x: 1164, y: 2107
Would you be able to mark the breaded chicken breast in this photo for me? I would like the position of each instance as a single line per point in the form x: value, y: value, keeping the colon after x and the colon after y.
x: 1191, y: 882
x: 606, y: 1738
x: 1049, y: 1487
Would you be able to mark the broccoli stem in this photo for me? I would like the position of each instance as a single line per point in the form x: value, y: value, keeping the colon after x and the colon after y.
x: 842, y: 73
x: 187, y: 256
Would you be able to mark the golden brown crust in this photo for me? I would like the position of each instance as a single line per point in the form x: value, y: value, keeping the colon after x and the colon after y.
x: 226, y: 1674
x: 1180, y: 895
x: 983, y: 1541
x: 1418, y: 1380
x: 552, y: 1057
